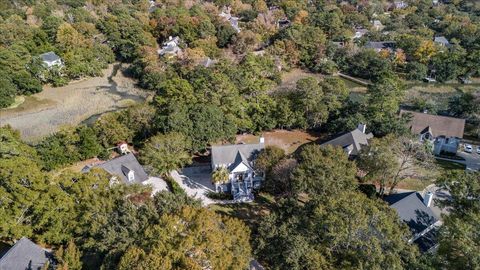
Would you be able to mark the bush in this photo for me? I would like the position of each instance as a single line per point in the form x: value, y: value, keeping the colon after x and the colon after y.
x: 219, y: 196
x: 368, y: 189
x: 174, y: 187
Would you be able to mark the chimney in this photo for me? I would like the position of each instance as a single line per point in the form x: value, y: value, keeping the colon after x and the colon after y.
x: 362, y: 127
x: 262, y: 140
x: 427, y: 199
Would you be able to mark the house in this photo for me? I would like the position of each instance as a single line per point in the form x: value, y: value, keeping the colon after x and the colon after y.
x: 381, y: 45
x: 377, y: 25
x: 416, y: 212
x: 442, y: 41
x: 283, y: 23
x: 239, y: 160
x: 231, y: 19
x: 123, y: 168
x: 171, y: 47
x: 352, y: 141
x: 443, y: 132
x: 25, y: 255
x: 359, y: 33
x: 400, y: 4
x: 51, y: 59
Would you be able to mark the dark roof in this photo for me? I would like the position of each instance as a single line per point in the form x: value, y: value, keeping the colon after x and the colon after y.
x: 122, y: 165
x: 380, y: 45
x: 428, y: 241
x: 412, y: 210
x: 49, y: 57
x: 351, y: 141
x: 25, y: 255
x: 439, y: 125
x: 232, y: 155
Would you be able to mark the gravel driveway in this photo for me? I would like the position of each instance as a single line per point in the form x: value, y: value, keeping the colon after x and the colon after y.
x: 196, y: 182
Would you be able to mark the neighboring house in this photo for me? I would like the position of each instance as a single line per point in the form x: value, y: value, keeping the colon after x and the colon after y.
x: 239, y: 160
x: 442, y: 41
x: 207, y: 62
x: 283, y: 23
x: 400, y: 4
x: 51, y: 59
x: 443, y: 132
x: 377, y: 25
x: 226, y: 14
x: 352, y: 141
x: 25, y: 255
x: 171, y: 47
x: 416, y: 212
x: 123, y: 168
x: 381, y: 45
x: 360, y: 33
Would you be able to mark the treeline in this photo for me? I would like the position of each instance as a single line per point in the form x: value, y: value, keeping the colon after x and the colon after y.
x: 91, y: 224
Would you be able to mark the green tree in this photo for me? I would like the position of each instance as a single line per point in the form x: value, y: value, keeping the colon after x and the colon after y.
x: 88, y: 145
x: 7, y: 91
x: 268, y: 158
x: 68, y: 257
x: 166, y: 152
x: 220, y: 175
x: 324, y: 171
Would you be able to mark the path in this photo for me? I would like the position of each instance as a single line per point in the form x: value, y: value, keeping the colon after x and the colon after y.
x: 196, y: 189
x: 45, y: 112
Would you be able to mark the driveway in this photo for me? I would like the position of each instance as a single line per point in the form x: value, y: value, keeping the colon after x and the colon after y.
x: 472, y: 160
x: 196, y: 182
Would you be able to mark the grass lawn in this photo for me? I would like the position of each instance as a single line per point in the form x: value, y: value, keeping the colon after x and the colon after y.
x: 250, y: 213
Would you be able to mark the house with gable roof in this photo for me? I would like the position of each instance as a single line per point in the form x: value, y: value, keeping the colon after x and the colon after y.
x: 239, y: 160
x: 443, y: 132
x: 25, y: 255
x: 415, y: 210
x: 352, y: 141
x: 171, y: 47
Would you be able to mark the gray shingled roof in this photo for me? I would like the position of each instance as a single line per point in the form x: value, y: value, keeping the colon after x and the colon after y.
x: 122, y: 165
x: 24, y: 255
x: 412, y: 210
x: 230, y: 155
x: 437, y: 124
x: 442, y: 40
x: 380, y: 45
x: 49, y: 57
x: 352, y: 141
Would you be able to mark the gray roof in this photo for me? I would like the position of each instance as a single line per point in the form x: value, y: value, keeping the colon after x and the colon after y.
x: 122, y: 165
x: 232, y: 155
x: 412, y: 210
x: 24, y: 255
x: 436, y: 124
x: 351, y: 141
x: 442, y: 40
x: 380, y: 45
x: 49, y: 57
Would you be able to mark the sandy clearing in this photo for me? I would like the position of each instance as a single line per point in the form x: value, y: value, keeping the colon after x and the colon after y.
x: 45, y: 112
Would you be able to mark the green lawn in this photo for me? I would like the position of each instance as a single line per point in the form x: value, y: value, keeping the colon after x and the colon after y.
x: 448, y: 165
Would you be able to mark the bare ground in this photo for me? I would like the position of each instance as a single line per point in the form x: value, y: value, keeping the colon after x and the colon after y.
x: 44, y: 113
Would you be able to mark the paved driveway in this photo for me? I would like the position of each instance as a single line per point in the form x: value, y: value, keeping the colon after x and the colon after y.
x: 472, y: 160
x: 196, y: 182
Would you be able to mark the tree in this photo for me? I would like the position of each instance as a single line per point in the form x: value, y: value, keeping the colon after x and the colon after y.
x: 280, y: 182
x: 345, y: 230
x: 389, y: 160
x: 464, y: 105
x: 268, y: 158
x: 69, y: 257
x: 416, y: 71
x: 7, y: 91
x: 110, y: 130
x: 220, y: 175
x: 459, y: 240
x: 425, y: 51
x: 324, y: 171
x: 166, y: 152
x: 193, y: 238
x: 88, y: 146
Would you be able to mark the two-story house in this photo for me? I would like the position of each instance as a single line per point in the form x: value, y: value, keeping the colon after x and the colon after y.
x: 239, y: 161
x: 442, y: 132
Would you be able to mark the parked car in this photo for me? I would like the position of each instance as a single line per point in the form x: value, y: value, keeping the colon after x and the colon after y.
x: 478, y: 149
x: 429, y: 80
x: 468, y: 148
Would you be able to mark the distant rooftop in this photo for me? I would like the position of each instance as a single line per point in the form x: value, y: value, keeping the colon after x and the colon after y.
x: 438, y: 125
x: 49, y: 57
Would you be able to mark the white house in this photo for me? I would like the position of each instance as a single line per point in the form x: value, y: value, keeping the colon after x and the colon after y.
x: 239, y: 160
x: 171, y: 47
x: 231, y: 19
x: 443, y: 132
x: 51, y: 59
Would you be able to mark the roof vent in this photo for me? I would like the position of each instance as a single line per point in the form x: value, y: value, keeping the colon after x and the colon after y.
x: 262, y: 140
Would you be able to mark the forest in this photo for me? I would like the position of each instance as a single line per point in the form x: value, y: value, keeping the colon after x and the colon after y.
x: 92, y: 225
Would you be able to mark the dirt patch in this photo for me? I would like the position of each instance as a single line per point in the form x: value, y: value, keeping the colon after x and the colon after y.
x: 289, y: 79
x: 288, y: 140
x: 45, y: 112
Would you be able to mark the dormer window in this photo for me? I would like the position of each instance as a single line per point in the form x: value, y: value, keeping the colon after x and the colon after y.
x: 131, y: 176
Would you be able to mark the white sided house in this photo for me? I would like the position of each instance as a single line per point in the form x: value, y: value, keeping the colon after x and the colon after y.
x: 51, y: 59
x: 239, y: 160
x: 443, y: 132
